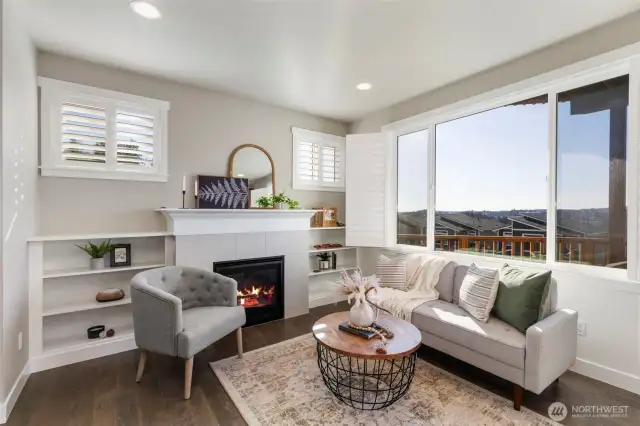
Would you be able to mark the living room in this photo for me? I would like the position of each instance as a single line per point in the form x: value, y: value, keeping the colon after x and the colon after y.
x: 479, y: 158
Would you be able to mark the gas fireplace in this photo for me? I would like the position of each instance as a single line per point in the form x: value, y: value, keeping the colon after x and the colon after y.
x: 260, y: 286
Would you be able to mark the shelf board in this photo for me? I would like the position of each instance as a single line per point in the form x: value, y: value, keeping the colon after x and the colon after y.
x: 332, y: 271
x: 84, y: 271
x: 325, y: 228
x: 331, y: 249
x: 86, y: 237
x: 75, y: 344
x: 85, y: 307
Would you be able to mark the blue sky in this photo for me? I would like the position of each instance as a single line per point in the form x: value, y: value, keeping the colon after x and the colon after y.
x: 498, y: 160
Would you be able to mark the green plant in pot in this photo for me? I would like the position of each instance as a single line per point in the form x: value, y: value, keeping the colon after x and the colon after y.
x: 325, y: 261
x: 97, y: 253
x: 277, y: 201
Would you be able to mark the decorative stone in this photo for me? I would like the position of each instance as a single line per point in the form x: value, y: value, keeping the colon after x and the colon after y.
x: 110, y: 295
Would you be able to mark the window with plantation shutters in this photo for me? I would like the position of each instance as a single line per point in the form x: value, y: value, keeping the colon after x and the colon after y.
x: 95, y: 133
x: 318, y: 161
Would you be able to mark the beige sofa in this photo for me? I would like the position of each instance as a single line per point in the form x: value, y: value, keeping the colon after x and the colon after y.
x: 531, y: 361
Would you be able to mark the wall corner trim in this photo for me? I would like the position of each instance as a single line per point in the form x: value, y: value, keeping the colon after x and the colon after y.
x: 602, y: 373
x: 7, y: 405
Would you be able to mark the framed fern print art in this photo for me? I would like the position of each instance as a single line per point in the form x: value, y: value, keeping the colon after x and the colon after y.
x: 217, y: 192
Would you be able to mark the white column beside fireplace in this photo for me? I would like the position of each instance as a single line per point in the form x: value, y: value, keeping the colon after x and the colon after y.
x: 204, y: 236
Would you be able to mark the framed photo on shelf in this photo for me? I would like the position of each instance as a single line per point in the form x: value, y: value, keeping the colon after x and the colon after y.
x: 120, y: 255
x: 327, y: 217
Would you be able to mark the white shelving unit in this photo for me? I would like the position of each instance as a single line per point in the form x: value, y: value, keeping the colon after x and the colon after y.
x: 332, y: 271
x: 332, y: 249
x: 62, y: 292
x: 323, y: 289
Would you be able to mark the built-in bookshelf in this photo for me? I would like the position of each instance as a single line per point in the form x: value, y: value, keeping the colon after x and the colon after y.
x: 323, y: 287
x: 62, y: 291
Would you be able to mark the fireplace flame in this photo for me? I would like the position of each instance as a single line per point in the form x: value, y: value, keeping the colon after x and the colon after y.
x: 255, y: 296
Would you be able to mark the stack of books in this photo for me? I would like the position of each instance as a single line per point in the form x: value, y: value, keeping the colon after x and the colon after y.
x: 360, y: 333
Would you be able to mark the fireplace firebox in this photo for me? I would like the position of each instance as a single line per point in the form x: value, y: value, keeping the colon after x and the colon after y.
x: 260, y: 286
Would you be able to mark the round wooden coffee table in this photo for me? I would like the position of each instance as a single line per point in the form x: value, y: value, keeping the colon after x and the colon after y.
x: 353, y: 370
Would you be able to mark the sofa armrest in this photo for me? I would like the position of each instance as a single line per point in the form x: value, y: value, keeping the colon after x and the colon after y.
x: 551, y: 346
x: 157, y: 318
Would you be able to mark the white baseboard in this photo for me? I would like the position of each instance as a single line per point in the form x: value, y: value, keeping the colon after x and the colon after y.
x: 608, y: 375
x: 82, y: 353
x: 7, y: 405
x: 314, y: 302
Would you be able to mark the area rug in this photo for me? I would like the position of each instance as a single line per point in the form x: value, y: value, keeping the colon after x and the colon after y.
x: 281, y: 385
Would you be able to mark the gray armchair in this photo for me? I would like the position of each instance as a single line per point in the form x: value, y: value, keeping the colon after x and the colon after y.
x: 179, y: 311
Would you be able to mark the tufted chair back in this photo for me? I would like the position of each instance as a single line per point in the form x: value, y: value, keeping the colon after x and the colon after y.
x: 194, y: 287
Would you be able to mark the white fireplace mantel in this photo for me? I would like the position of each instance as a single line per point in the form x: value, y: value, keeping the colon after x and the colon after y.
x: 210, y: 221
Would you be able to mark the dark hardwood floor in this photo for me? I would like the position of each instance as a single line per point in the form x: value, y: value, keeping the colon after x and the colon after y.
x: 103, y: 391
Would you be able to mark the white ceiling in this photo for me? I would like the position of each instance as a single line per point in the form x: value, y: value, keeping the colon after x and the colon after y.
x: 310, y: 54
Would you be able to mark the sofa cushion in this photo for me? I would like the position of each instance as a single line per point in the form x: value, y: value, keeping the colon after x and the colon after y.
x: 478, y: 291
x: 205, y: 325
x: 392, y: 271
x: 520, y: 296
x: 445, y: 282
x: 459, y: 273
x: 495, y: 338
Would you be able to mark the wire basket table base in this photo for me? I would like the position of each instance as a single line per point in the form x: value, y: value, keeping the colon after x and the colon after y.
x: 366, y: 384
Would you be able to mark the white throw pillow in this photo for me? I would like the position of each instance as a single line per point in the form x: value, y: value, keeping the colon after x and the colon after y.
x: 478, y: 291
x: 392, y: 271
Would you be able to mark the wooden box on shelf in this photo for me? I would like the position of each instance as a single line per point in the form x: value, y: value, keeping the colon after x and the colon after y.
x: 326, y: 217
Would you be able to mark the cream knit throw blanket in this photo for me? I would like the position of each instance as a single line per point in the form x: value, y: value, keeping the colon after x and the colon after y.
x: 423, y: 272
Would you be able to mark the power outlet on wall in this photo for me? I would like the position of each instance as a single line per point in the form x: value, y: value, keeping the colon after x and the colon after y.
x: 582, y: 329
x: 20, y: 341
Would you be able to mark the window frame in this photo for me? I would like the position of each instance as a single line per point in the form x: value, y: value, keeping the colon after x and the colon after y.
x: 322, y: 139
x: 53, y: 93
x: 614, y: 64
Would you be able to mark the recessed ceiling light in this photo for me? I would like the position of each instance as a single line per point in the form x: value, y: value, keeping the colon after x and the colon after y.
x: 364, y: 86
x: 145, y: 8
x: 240, y: 175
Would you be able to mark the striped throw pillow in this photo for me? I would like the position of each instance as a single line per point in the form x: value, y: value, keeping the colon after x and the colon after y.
x: 392, y: 271
x: 478, y: 291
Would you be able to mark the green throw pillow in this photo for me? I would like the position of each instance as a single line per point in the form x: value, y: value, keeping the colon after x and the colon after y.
x: 520, y: 295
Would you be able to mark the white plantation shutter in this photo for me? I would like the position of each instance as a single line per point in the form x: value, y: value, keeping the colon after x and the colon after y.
x: 318, y: 161
x: 135, y: 139
x: 309, y: 161
x: 367, y: 192
x: 331, y: 172
x: 96, y: 133
x: 84, y: 137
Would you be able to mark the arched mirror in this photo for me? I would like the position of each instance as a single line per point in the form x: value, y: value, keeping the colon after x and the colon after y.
x: 254, y: 163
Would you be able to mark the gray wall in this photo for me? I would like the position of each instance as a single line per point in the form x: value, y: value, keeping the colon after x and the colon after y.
x: 204, y: 127
x: 19, y: 199
x: 600, y: 40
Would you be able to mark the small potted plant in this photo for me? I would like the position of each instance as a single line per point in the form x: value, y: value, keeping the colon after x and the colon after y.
x: 325, y: 261
x: 97, y: 253
x: 277, y: 201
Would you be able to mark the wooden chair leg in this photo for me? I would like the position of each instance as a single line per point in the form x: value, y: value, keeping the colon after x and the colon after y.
x: 141, y: 364
x: 517, y: 397
x: 239, y: 336
x: 188, y: 373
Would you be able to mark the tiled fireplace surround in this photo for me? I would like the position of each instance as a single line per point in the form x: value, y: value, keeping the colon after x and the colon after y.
x: 203, y: 237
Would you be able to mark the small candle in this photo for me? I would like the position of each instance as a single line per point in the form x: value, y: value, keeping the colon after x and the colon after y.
x: 195, y: 188
x: 184, y: 183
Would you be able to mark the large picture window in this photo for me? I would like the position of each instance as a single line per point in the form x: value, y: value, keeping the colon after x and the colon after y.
x: 592, y: 139
x: 491, y: 182
x: 546, y: 174
x: 412, y: 188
